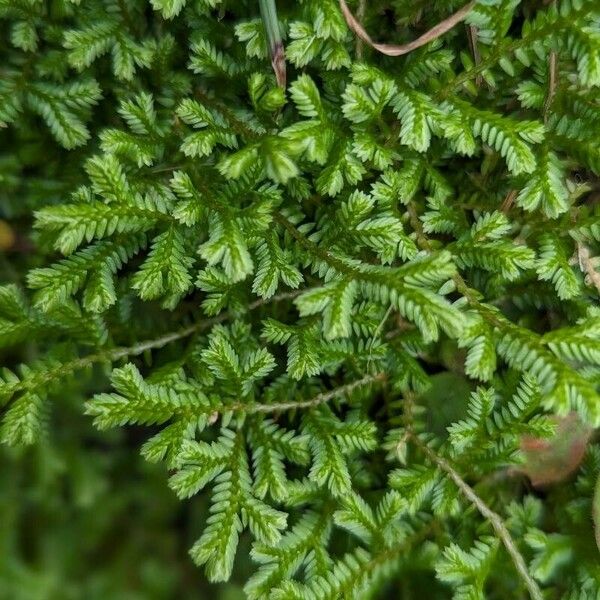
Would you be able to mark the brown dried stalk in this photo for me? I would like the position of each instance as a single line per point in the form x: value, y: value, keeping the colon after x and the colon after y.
x: 508, y: 201
x: 398, y: 50
x: 270, y: 20
x: 472, y: 34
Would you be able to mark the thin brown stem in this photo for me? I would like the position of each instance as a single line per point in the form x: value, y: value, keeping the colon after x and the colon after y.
x: 317, y: 400
x: 504, y: 49
x: 415, y: 223
x: 114, y: 354
x: 552, y: 80
x: 508, y: 201
x: 473, y: 44
x: 461, y: 285
x: 494, y: 518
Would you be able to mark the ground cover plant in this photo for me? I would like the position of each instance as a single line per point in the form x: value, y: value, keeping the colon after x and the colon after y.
x: 307, y: 288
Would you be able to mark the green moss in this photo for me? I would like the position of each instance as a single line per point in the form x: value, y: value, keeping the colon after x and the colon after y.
x: 332, y: 302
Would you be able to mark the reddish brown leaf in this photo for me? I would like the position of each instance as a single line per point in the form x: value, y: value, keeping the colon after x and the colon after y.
x: 551, y: 460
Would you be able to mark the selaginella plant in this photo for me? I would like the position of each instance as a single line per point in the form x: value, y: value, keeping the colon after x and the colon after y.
x: 350, y: 304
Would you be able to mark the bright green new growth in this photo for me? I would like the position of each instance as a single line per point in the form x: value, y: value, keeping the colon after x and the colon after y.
x: 339, y: 308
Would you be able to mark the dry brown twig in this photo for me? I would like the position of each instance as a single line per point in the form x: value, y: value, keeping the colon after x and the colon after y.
x: 472, y: 34
x: 399, y: 50
x: 508, y: 201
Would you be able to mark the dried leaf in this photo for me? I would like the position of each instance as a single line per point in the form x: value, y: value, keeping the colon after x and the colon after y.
x: 553, y: 459
x: 589, y: 266
x: 398, y: 50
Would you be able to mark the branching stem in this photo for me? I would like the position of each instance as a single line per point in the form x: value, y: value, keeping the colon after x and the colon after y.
x: 114, y: 354
x: 493, y: 517
x: 312, y: 402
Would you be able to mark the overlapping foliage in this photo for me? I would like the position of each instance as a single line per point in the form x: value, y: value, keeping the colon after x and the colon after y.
x: 340, y: 312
